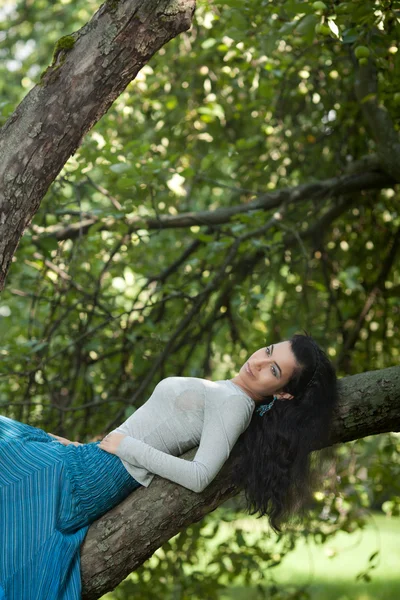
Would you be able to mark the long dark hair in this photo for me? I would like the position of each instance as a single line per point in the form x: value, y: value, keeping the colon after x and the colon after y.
x: 274, y: 452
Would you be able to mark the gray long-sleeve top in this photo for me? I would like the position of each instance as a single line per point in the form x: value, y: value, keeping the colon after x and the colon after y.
x: 182, y: 413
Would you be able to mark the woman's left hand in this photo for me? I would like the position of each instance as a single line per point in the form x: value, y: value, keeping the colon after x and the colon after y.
x: 111, y: 442
x: 64, y: 441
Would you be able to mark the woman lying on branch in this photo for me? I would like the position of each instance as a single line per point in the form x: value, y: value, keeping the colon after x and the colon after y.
x: 52, y: 489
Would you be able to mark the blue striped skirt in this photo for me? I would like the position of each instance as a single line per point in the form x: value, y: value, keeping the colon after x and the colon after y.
x: 49, y: 496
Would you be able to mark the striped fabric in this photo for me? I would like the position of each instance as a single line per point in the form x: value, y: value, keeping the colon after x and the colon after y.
x: 49, y: 495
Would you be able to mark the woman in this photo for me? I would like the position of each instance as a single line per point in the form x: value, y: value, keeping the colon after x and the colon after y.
x: 52, y: 489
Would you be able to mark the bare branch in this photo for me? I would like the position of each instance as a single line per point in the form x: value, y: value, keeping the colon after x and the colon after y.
x: 317, y: 191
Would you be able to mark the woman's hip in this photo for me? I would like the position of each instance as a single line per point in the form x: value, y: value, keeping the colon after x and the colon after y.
x: 10, y: 430
x: 99, y: 479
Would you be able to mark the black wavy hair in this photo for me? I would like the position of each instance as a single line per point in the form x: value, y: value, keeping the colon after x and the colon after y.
x: 273, y: 464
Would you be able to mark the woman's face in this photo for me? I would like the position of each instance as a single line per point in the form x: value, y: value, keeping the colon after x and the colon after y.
x: 267, y: 371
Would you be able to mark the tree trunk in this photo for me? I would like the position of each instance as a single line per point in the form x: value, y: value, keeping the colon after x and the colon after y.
x: 90, y: 69
x: 125, y: 537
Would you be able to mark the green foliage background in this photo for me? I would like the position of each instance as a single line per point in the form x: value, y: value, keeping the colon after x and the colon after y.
x: 256, y: 98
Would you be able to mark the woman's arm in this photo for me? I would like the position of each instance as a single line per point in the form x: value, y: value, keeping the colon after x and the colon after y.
x: 223, y: 424
x: 64, y: 441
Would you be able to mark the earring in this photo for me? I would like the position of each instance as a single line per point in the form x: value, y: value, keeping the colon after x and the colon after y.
x: 261, y: 410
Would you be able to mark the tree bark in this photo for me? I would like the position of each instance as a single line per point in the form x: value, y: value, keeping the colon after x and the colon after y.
x: 125, y: 537
x: 90, y: 69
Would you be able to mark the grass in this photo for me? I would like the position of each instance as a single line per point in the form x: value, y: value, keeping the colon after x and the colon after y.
x: 329, y: 571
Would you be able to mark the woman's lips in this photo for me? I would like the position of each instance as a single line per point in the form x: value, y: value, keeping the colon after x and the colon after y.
x: 247, y: 367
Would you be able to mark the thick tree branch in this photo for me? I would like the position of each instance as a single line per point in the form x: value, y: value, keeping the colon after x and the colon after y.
x: 124, y: 538
x: 90, y: 70
x: 333, y: 187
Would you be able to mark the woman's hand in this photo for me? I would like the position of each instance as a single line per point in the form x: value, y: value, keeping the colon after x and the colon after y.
x: 111, y: 442
x: 64, y: 441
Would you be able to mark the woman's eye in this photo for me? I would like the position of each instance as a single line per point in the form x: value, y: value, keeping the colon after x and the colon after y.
x: 268, y: 351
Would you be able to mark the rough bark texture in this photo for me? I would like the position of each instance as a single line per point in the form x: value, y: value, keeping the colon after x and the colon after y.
x: 90, y: 70
x: 125, y: 537
x: 370, y: 404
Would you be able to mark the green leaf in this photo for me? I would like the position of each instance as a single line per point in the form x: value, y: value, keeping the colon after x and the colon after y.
x: 47, y: 245
x: 334, y: 28
x: 350, y: 35
x: 306, y: 26
x: 209, y: 43
x: 120, y: 168
x: 39, y: 346
x: 124, y: 183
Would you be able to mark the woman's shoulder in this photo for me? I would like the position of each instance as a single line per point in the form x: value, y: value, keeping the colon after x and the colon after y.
x: 218, y: 390
x: 222, y: 386
x: 180, y: 383
x: 206, y: 387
